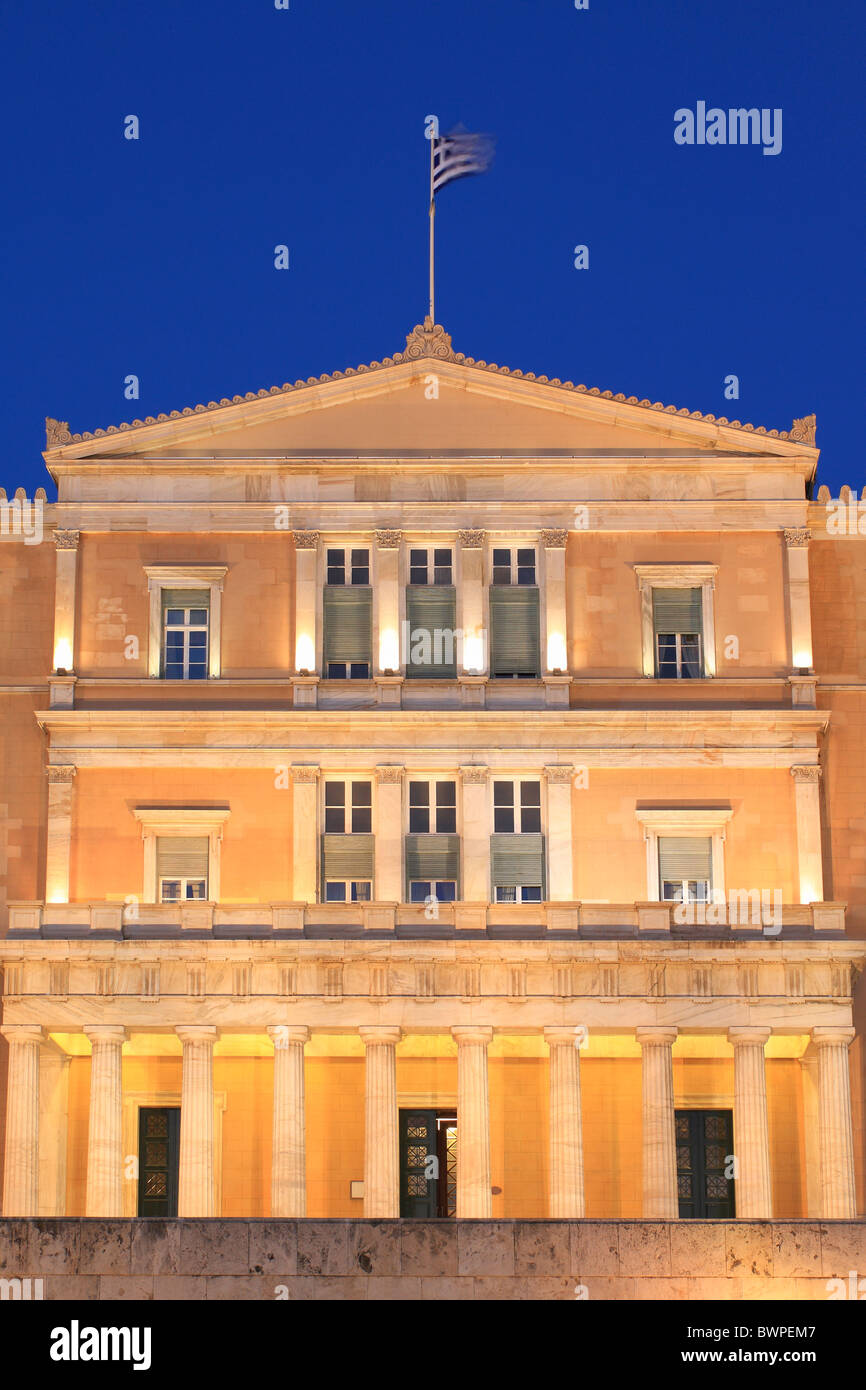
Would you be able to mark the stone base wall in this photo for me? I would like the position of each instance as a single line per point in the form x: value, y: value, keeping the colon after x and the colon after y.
x: 155, y: 1259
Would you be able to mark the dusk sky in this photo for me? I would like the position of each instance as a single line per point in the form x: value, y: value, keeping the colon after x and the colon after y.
x: 305, y: 127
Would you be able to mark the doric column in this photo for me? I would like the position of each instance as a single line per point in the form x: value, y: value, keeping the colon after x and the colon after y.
x: 560, y: 848
x: 196, y: 1188
x: 476, y: 834
x: 660, y: 1199
x: 381, y: 1141
x: 307, y: 654
x: 566, y: 1133
x: 473, y: 1122
x: 472, y: 659
x: 305, y: 832
x: 104, y: 1139
x: 799, y: 603
x: 289, y: 1160
x: 59, y: 833
x: 808, y: 810
x: 387, y: 657
x: 389, y: 833
x: 62, y: 679
x: 556, y: 641
x: 836, y: 1137
x: 751, y: 1136
x: 21, y: 1172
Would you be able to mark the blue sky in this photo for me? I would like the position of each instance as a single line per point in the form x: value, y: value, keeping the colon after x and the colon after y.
x: 305, y: 127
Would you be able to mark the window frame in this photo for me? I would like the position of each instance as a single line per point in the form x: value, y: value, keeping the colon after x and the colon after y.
x: 517, y: 805
x: 349, y: 884
x: 519, y: 890
x: 432, y: 807
x: 687, y: 824
x: 350, y: 806
x: 182, y: 898
x: 206, y: 577
x: 514, y: 547
x: 430, y: 564
x: 186, y: 628
x: 678, y: 576
x: 178, y: 823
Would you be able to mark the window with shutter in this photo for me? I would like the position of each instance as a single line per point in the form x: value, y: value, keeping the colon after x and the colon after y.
x: 677, y: 629
x: 185, y: 621
x: 685, y: 867
x: 182, y: 868
x: 347, y: 620
x: 431, y: 632
x: 517, y: 867
x: 514, y: 631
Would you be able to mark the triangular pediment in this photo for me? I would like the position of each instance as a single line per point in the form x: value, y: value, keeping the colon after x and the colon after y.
x: 427, y: 400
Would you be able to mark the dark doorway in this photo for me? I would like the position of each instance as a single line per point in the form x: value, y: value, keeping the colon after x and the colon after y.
x: 428, y: 1163
x: 158, y: 1160
x: 705, y: 1146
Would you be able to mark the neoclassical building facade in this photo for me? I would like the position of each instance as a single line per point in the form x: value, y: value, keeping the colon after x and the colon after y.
x: 434, y: 790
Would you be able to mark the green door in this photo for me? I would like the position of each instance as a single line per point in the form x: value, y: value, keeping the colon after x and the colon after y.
x: 705, y: 1146
x: 428, y: 1163
x: 158, y: 1160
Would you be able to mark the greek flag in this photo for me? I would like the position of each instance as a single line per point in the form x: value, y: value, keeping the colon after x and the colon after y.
x: 459, y: 154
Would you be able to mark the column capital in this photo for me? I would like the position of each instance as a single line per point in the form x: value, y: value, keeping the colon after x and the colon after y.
x: 306, y: 540
x: 749, y: 1035
x: 471, y: 539
x: 60, y: 774
x: 473, y: 774
x: 808, y: 772
x: 374, y: 1033
x: 305, y: 773
x: 67, y: 540
x: 558, y: 1037
x: 105, y: 1032
x: 470, y: 1033
x: 388, y: 540
x: 389, y: 774
x: 554, y: 538
x: 559, y: 773
x: 824, y: 1037
x: 797, y: 536
x: 667, y: 1036
x: 283, y: 1034
x: 197, y: 1033
x: 23, y: 1033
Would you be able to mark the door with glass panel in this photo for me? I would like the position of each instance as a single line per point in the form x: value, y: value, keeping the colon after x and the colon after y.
x: 428, y: 1163
x: 705, y: 1144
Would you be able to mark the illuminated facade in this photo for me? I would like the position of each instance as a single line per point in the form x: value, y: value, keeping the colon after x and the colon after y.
x: 446, y: 798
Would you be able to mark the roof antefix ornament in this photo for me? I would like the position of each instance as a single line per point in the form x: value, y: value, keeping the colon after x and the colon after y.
x: 56, y: 432
x: 429, y: 339
x: 803, y: 431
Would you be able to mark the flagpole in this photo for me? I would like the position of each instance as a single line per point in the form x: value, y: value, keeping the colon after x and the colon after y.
x: 432, y: 215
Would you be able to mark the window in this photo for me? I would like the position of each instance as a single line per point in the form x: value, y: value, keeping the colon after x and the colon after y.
x: 348, y: 566
x: 348, y: 808
x: 677, y: 626
x: 514, y: 615
x: 185, y: 634
x: 685, y: 868
x: 513, y: 565
x: 677, y: 620
x: 185, y: 621
x: 431, y: 565
x: 518, y: 893
x: 347, y: 615
x: 516, y: 808
x: 348, y: 890
x: 181, y: 868
x: 438, y: 818
x: 442, y: 890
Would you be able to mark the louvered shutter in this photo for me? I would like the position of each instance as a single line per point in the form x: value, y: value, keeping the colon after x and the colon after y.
x: 181, y: 856
x: 347, y: 622
x: 516, y: 860
x: 431, y: 611
x: 685, y: 857
x: 185, y: 598
x: 514, y: 630
x: 347, y: 856
x: 676, y: 610
x: 433, y: 856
